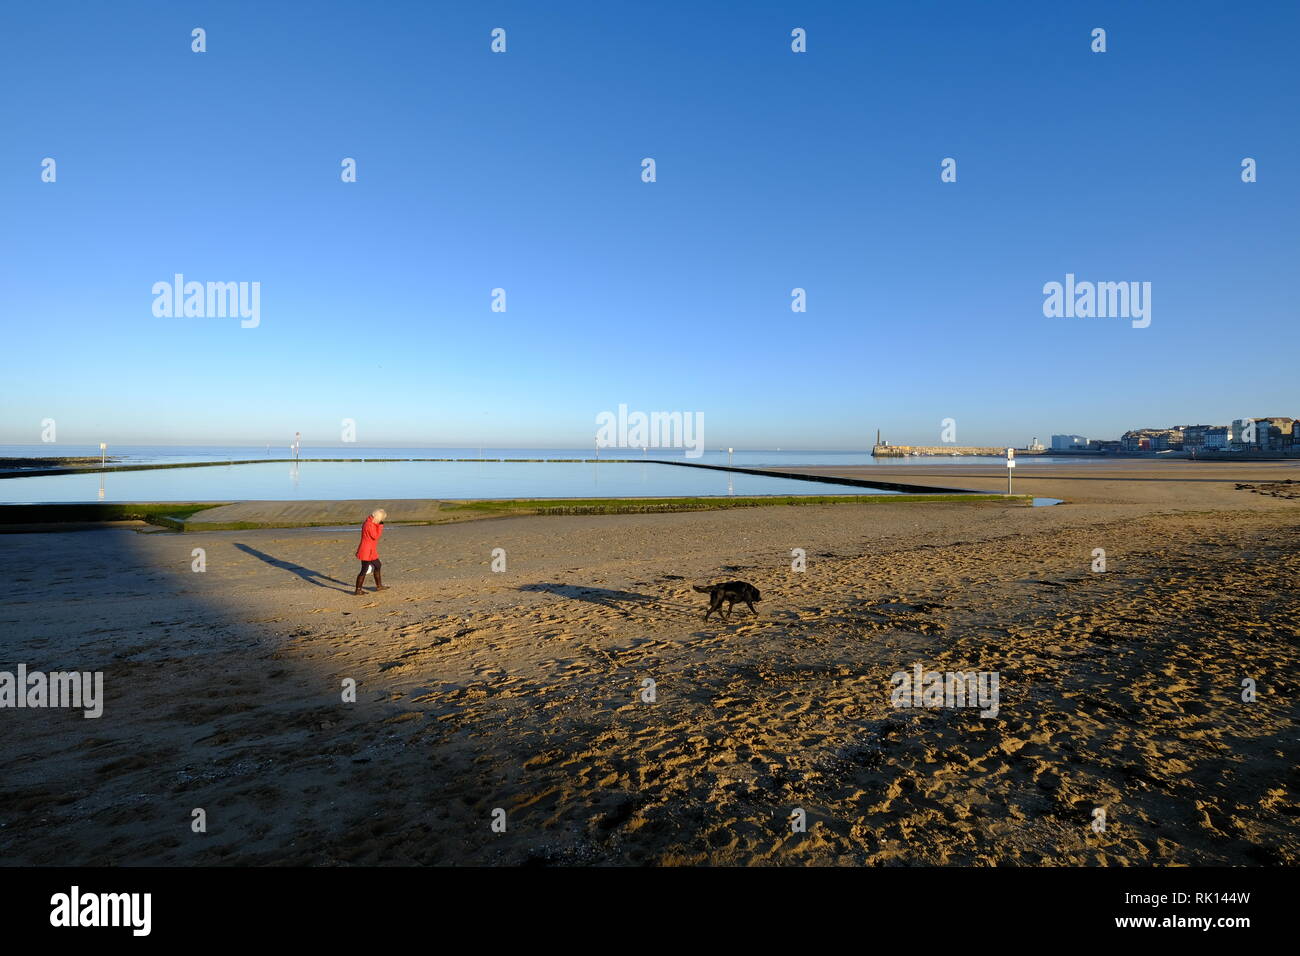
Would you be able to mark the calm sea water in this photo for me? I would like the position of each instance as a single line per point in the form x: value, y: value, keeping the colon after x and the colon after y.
x: 372, y: 480
x: 748, y: 458
x: 390, y: 473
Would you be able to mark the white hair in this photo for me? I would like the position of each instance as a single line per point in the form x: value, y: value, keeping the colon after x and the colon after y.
x: 380, y: 515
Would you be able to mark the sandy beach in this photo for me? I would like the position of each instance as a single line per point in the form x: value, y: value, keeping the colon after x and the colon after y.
x: 522, y: 690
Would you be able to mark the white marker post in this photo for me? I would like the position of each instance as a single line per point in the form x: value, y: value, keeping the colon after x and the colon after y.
x: 103, y: 454
x: 729, y: 451
x: 1011, y: 463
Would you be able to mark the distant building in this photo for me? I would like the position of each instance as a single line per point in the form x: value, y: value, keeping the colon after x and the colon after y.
x: 1068, y: 442
x: 1194, y: 436
x: 1152, y: 439
x: 1198, y: 438
x: 1276, y: 433
x: 1216, y: 438
x: 1281, y: 433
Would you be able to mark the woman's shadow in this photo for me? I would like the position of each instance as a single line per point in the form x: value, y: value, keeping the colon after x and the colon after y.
x: 307, y: 574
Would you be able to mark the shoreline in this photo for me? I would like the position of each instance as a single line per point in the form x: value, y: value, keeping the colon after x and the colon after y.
x: 1122, y: 481
x: 248, y: 515
x: 86, y: 465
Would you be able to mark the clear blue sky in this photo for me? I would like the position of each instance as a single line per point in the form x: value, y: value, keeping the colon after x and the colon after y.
x: 522, y: 171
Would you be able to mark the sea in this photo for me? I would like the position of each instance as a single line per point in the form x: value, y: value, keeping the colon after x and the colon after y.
x: 378, y: 473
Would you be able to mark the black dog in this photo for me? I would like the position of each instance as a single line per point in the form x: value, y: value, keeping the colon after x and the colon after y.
x: 732, y: 592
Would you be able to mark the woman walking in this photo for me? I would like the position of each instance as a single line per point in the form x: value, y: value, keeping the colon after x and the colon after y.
x: 368, y: 550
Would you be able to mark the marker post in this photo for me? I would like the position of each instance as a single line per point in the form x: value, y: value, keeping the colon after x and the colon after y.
x: 1011, y: 463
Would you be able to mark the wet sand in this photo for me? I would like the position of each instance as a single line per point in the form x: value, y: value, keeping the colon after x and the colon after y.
x: 521, y: 690
x: 1173, y: 484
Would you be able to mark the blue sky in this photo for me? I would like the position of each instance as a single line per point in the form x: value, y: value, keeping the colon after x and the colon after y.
x: 522, y: 171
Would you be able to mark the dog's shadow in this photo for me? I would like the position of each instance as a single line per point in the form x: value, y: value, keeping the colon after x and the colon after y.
x: 605, y: 597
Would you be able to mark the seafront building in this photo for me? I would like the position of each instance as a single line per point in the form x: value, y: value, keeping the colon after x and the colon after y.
x: 1069, y: 443
x: 1277, y: 436
x: 1205, y: 438
x: 1138, y: 440
x: 1270, y: 435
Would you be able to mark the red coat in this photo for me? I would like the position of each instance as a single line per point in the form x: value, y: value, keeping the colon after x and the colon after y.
x: 371, y: 532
